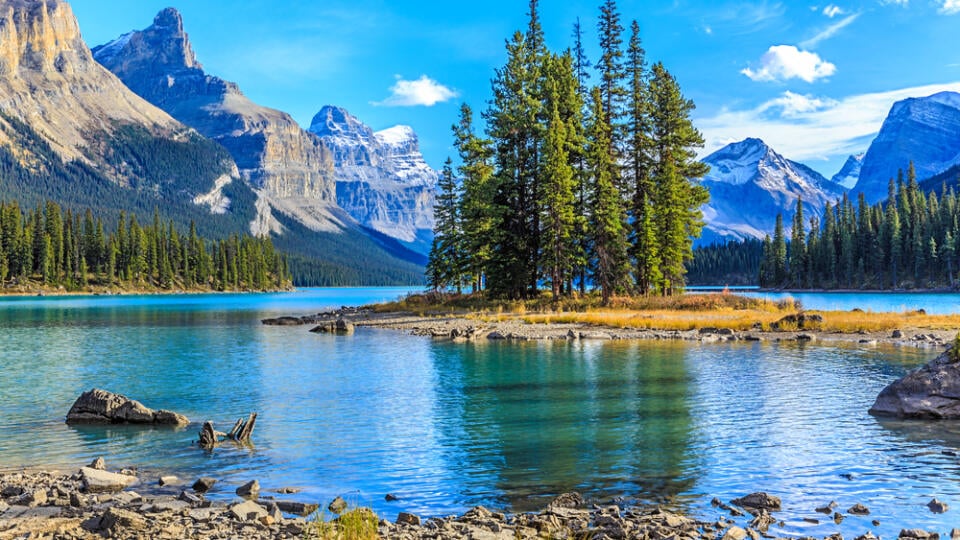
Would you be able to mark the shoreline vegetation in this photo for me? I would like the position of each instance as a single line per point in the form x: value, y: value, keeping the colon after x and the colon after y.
x: 698, y: 317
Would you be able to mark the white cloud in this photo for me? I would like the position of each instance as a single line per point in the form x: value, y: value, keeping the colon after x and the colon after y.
x: 833, y: 10
x: 424, y: 92
x: 903, y: 3
x: 950, y: 7
x: 830, y: 31
x: 783, y: 62
x: 811, y: 128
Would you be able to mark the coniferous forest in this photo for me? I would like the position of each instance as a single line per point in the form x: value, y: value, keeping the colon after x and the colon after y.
x: 583, y: 177
x: 52, y: 248
x: 908, y: 241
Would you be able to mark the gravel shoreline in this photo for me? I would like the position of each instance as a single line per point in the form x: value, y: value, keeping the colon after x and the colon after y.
x: 460, y: 328
x: 64, y: 505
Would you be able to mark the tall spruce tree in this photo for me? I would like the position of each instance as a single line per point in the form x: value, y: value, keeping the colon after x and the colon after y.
x: 645, y: 247
x: 558, y: 206
x: 477, y: 210
x: 582, y: 65
x: 608, y: 234
x: 675, y: 169
x: 513, y: 125
x: 798, y: 244
x: 445, y: 266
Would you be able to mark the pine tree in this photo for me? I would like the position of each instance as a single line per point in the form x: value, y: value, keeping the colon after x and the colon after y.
x: 477, y: 210
x: 779, y: 259
x: 513, y: 125
x: 678, y: 198
x: 445, y: 266
x: 645, y: 248
x: 608, y: 219
x: 582, y: 67
x: 558, y: 205
x: 611, y: 69
x: 798, y: 254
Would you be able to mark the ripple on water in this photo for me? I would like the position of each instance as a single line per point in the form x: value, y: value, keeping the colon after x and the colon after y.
x: 448, y: 426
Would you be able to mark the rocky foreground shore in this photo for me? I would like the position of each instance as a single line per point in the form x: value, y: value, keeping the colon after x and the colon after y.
x: 463, y: 329
x: 93, y: 503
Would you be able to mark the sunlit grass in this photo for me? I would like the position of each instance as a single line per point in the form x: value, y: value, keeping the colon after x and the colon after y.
x: 355, y: 524
x: 682, y: 313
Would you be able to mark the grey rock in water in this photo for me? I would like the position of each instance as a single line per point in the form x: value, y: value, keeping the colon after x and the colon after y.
x: 250, y: 489
x: 930, y: 391
x: 409, y: 519
x: 204, y: 484
x: 918, y: 534
x: 759, y: 501
x: 100, y: 464
x: 101, y: 407
x: 937, y: 507
x: 337, y: 506
x: 859, y: 510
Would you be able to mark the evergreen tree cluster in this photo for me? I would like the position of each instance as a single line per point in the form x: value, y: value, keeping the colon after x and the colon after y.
x: 58, y: 248
x: 729, y: 263
x: 572, y: 185
x: 908, y: 241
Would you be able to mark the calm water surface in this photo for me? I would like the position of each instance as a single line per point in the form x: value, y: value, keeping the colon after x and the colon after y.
x: 448, y: 426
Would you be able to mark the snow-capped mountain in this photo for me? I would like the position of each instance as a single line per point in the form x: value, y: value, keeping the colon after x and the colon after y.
x: 923, y: 130
x: 850, y: 172
x: 750, y: 184
x: 382, y: 179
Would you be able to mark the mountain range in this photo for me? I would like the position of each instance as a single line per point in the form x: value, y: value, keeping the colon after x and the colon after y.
x: 750, y: 183
x: 137, y: 124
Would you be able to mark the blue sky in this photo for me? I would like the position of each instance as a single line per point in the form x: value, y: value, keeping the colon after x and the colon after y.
x: 813, y: 79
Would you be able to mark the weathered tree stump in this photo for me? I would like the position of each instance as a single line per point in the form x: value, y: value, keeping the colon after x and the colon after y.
x: 242, y: 433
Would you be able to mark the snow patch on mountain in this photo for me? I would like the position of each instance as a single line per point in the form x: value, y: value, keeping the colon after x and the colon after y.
x: 850, y: 172
x: 750, y: 184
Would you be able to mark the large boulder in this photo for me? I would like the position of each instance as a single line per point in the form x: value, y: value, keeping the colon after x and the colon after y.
x: 930, y: 391
x: 102, y: 407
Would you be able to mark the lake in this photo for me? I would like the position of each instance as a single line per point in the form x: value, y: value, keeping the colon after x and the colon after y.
x: 448, y: 426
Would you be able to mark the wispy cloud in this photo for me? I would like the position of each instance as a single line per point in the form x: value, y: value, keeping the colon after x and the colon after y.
x: 950, y: 7
x: 806, y: 127
x: 741, y: 18
x: 424, y: 92
x: 833, y: 10
x: 903, y: 3
x: 784, y: 62
x: 831, y: 31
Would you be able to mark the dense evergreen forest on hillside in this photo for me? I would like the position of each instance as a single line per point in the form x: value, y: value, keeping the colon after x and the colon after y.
x: 52, y: 248
x: 572, y: 185
x: 729, y: 263
x: 908, y: 241
x: 155, y: 172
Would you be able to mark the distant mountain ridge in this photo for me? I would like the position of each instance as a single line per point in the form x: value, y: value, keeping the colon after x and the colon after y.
x: 382, y: 178
x: 750, y: 184
x: 318, y: 177
x: 72, y: 132
x: 923, y: 130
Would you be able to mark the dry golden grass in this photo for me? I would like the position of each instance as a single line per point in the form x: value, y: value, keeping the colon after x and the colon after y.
x: 684, y: 312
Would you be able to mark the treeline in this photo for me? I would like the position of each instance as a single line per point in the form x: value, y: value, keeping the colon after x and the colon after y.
x: 56, y: 248
x: 730, y: 263
x: 572, y: 185
x: 909, y: 241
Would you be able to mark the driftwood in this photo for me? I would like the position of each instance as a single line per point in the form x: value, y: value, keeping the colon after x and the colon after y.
x: 242, y: 433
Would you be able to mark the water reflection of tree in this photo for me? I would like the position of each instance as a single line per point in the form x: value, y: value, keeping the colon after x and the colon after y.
x: 605, y: 419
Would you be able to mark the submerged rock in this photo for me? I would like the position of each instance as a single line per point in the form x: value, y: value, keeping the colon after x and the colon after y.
x: 101, y: 407
x: 930, y: 391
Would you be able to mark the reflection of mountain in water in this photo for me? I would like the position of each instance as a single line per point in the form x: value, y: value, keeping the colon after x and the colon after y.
x: 608, y: 420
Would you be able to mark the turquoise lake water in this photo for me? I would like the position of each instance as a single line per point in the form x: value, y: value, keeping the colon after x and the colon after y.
x: 448, y: 426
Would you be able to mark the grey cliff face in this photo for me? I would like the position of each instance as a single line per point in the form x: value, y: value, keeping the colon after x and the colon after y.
x: 925, y: 131
x: 272, y: 152
x: 382, y: 179
x: 750, y: 184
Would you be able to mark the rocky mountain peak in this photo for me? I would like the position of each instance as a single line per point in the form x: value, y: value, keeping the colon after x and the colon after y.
x: 923, y: 130
x: 40, y: 36
x: 850, y: 172
x: 750, y: 184
x: 164, y: 47
x: 336, y: 122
